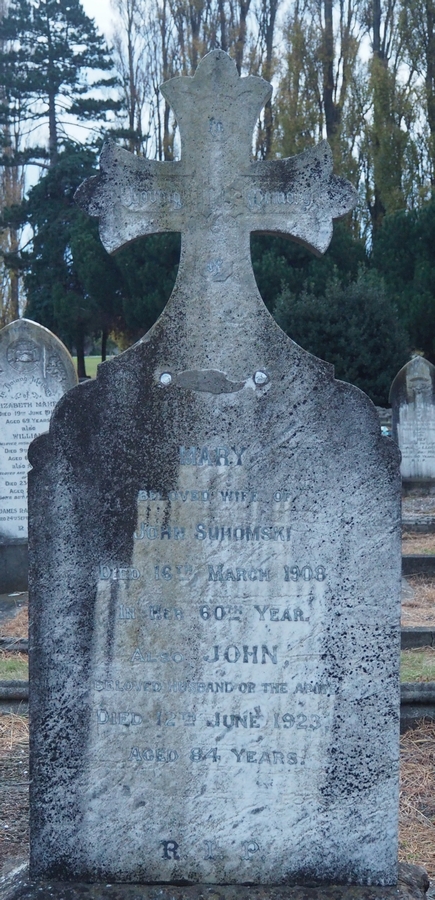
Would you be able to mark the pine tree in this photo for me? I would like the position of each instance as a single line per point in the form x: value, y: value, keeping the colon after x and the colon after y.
x: 72, y: 284
x: 51, y: 48
x: 11, y: 194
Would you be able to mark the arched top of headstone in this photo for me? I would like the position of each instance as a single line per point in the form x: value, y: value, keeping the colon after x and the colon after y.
x: 29, y: 349
x: 414, y: 381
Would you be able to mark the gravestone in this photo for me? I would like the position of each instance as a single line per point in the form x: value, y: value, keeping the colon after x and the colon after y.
x: 412, y: 398
x: 35, y: 371
x: 215, y: 554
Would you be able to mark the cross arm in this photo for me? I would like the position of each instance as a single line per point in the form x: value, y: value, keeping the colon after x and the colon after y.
x: 299, y: 197
x: 132, y: 196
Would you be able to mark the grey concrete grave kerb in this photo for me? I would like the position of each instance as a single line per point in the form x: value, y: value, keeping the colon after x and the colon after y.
x: 418, y: 564
x: 215, y: 602
x: 413, y: 884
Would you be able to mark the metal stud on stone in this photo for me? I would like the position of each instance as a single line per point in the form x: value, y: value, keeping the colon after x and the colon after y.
x: 165, y: 378
x: 260, y: 378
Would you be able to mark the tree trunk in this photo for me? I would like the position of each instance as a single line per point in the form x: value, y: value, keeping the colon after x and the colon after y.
x: 328, y: 72
x: 379, y: 70
x: 80, y: 345
x: 377, y: 28
x: 14, y: 295
x: 52, y: 130
x: 430, y: 82
x: 164, y: 137
x: 167, y: 137
x: 377, y: 209
x: 14, y: 273
x: 52, y: 91
x: 132, y: 92
x: 241, y: 38
x: 195, y: 15
x: 223, y: 26
x: 267, y: 72
x: 104, y: 336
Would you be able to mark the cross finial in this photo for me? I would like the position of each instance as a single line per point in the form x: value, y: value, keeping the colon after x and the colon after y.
x: 216, y: 107
x: 216, y: 195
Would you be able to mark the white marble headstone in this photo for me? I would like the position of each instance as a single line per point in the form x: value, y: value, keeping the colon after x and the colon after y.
x: 35, y: 371
x: 412, y: 398
x: 215, y: 590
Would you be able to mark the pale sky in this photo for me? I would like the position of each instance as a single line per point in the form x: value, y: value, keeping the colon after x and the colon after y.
x: 102, y: 12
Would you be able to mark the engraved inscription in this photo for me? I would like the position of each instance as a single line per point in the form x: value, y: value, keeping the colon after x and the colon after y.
x: 159, y: 755
x: 139, y: 201
x: 243, y: 533
x: 249, y: 848
x: 257, y: 199
x: 215, y: 608
x: 232, y: 654
x: 170, y: 850
x: 218, y: 573
x: 212, y: 456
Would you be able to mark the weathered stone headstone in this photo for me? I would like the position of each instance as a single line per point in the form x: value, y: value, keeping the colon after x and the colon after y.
x: 35, y: 371
x: 412, y: 398
x: 215, y: 565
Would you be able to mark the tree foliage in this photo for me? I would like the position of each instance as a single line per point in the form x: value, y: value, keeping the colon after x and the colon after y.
x: 49, y: 48
x: 403, y: 253
x: 72, y: 285
x: 148, y: 268
x: 354, y: 326
x: 376, y: 109
x: 282, y: 263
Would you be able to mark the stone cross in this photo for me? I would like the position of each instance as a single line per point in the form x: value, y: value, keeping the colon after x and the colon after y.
x: 216, y: 195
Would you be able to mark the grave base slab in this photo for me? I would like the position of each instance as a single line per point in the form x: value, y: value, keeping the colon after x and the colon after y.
x: 413, y: 884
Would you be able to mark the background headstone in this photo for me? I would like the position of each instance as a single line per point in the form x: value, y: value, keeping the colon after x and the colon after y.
x: 35, y: 371
x: 412, y: 398
x: 215, y: 555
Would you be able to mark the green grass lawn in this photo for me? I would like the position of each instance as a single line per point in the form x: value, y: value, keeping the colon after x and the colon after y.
x: 14, y: 667
x: 91, y: 363
x: 418, y: 665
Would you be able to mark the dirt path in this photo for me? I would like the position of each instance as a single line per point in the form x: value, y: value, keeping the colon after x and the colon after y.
x: 14, y: 787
